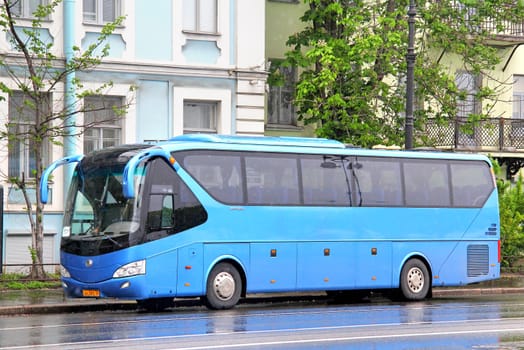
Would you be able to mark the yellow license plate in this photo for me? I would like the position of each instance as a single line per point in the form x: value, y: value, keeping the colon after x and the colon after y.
x: 91, y: 293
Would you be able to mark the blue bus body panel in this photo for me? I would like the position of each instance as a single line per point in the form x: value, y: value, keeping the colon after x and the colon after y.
x: 336, y: 248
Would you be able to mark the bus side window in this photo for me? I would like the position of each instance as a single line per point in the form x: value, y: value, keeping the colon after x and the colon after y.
x: 324, y: 181
x: 427, y: 183
x: 219, y: 173
x: 272, y: 179
x: 379, y: 182
x: 471, y: 183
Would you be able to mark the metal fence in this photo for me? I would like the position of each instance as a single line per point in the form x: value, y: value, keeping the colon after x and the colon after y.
x: 493, y: 134
x: 24, y: 269
x: 502, y: 28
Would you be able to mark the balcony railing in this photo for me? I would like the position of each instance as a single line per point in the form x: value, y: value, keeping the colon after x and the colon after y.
x: 490, y: 135
x: 505, y: 31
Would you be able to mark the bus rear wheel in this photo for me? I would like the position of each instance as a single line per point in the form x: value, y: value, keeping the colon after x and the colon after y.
x: 415, y: 281
x: 224, y: 287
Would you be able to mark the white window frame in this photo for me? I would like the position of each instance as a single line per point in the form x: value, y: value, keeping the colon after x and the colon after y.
x: 470, y: 84
x: 24, y: 157
x: 212, y: 106
x: 25, y: 9
x: 518, y: 97
x: 285, y: 113
x: 97, y: 17
x: 99, y: 141
x: 220, y: 96
x: 193, y: 18
x: 518, y: 105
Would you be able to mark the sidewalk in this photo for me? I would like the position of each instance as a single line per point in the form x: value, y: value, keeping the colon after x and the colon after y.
x: 14, y: 302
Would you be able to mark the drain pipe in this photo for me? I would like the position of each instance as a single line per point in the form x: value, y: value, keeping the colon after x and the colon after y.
x: 70, y: 139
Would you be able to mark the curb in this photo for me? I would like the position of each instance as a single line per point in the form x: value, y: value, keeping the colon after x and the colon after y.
x: 437, y: 292
x: 66, y: 308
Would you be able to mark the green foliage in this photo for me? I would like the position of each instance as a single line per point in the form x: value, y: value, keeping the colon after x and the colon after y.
x: 17, y: 281
x: 353, y: 60
x: 511, y: 201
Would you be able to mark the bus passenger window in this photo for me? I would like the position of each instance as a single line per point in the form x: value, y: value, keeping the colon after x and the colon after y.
x: 325, y: 181
x: 472, y: 183
x: 272, y: 179
x: 379, y: 182
x: 219, y: 173
x: 426, y: 183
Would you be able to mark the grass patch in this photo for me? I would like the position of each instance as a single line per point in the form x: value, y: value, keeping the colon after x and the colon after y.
x: 16, y: 281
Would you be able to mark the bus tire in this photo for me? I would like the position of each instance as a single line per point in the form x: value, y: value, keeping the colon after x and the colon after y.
x: 415, y: 282
x: 223, y: 288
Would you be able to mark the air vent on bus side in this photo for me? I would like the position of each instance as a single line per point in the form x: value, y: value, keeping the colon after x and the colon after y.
x: 478, y: 260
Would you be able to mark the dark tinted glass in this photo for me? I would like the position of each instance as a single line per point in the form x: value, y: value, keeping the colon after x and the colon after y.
x: 378, y: 182
x: 272, y: 179
x: 426, y: 183
x: 325, y: 180
x: 172, y: 206
x: 472, y: 183
x: 218, y: 172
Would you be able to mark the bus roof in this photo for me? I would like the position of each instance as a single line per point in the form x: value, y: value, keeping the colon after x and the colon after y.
x: 299, y: 145
x: 258, y: 140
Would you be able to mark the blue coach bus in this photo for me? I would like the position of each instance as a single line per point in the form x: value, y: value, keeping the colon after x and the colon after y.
x: 221, y: 216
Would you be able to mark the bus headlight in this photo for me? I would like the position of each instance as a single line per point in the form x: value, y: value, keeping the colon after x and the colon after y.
x: 64, y: 273
x: 131, y: 269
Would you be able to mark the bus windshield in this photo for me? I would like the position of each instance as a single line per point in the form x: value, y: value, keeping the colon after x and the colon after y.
x: 98, y: 218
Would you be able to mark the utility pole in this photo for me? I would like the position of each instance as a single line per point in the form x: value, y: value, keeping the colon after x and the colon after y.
x: 410, y: 59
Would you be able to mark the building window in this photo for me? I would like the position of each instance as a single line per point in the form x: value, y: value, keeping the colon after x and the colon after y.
x: 518, y: 105
x: 200, y: 117
x: 25, y: 8
x: 518, y: 97
x: 467, y: 104
x: 200, y: 16
x: 101, y: 11
x: 22, y: 160
x: 469, y: 85
x: 103, y: 123
x: 281, y: 110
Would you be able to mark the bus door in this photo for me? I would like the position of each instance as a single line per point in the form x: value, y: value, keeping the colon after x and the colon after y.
x: 190, y: 270
x: 170, y: 209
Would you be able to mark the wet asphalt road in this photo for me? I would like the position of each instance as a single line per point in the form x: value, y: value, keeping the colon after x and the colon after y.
x: 479, y: 322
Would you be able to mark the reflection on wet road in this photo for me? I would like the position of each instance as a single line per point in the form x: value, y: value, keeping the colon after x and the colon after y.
x: 486, y: 322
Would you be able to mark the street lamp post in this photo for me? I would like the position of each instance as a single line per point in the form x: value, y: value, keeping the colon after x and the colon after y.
x: 410, y: 59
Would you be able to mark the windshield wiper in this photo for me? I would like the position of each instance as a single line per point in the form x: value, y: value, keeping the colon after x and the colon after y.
x: 112, y: 240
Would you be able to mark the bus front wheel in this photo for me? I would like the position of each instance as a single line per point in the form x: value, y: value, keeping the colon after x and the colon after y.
x: 415, y: 281
x: 224, y: 287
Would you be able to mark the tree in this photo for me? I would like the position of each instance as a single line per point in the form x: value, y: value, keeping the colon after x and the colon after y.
x: 352, y: 56
x: 511, y: 201
x: 36, y: 72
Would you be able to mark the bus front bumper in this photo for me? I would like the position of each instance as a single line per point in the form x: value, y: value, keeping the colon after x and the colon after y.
x: 122, y: 288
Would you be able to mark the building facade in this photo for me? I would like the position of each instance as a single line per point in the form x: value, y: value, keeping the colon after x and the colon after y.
x: 183, y: 66
x: 500, y: 136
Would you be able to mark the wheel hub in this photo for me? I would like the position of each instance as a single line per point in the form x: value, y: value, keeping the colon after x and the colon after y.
x: 415, y: 280
x: 224, y: 285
